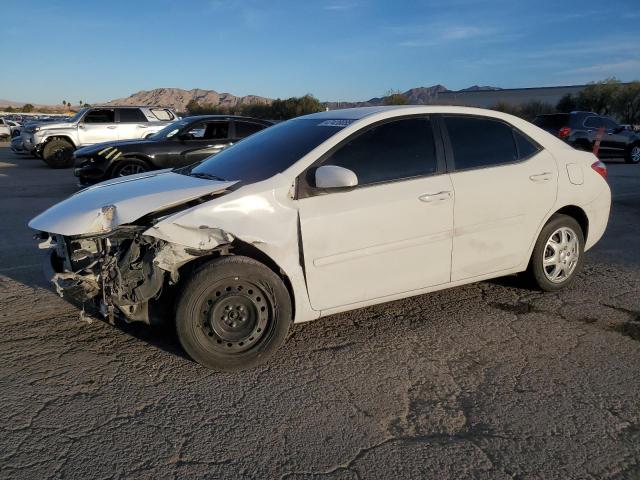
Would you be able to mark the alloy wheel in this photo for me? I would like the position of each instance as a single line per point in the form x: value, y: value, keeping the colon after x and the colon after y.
x: 635, y: 154
x: 561, y: 254
x: 131, y: 169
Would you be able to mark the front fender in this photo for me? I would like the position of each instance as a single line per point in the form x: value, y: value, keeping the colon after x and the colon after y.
x: 266, y: 218
x: 47, y: 135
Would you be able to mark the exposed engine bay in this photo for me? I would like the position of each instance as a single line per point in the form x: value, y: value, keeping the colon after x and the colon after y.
x: 117, y: 274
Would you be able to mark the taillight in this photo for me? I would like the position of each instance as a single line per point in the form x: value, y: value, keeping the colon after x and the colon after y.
x: 564, y: 132
x: 601, y: 168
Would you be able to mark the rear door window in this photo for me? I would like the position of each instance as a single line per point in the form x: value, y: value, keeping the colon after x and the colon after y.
x: 131, y: 115
x: 103, y: 115
x: 480, y: 142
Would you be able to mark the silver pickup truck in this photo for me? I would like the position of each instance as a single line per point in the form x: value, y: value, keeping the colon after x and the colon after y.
x: 55, y: 142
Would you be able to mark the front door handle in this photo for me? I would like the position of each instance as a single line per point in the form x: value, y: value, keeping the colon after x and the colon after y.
x: 111, y: 127
x: 541, y: 177
x: 435, y: 197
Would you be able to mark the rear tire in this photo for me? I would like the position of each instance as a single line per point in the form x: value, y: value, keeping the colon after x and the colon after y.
x: 632, y: 155
x: 558, y: 255
x: 233, y: 314
x: 58, y: 153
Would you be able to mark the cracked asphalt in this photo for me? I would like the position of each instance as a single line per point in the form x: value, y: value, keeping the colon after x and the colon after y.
x: 491, y: 380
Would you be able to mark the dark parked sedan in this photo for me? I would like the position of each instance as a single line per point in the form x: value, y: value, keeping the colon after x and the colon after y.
x: 581, y: 130
x: 181, y: 143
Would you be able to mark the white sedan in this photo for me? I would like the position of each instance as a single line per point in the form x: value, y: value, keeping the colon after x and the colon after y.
x: 327, y: 213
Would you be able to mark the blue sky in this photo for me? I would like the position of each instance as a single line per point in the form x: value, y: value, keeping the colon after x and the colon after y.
x: 335, y: 49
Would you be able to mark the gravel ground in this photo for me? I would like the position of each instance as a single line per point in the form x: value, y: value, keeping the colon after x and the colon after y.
x: 490, y: 380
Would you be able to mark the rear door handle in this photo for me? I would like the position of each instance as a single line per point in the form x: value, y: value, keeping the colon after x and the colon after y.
x: 541, y: 177
x: 111, y: 127
x: 435, y: 197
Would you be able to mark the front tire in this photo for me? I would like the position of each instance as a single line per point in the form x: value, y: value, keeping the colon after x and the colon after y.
x: 130, y: 166
x: 58, y: 153
x: 233, y: 314
x: 558, y: 255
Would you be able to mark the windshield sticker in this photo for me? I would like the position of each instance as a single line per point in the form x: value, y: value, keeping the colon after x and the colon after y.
x: 336, y: 123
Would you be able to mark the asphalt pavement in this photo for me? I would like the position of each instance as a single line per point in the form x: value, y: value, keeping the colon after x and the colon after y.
x: 491, y: 380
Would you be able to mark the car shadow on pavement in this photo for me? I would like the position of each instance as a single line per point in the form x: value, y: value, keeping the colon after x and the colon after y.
x: 162, y: 336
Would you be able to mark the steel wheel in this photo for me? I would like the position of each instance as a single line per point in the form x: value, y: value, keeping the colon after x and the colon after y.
x: 561, y: 254
x: 233, y: 313
x: 131, y: 169
x: 235, y: 316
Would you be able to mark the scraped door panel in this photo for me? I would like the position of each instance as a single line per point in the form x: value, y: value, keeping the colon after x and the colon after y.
x: 377, y: 241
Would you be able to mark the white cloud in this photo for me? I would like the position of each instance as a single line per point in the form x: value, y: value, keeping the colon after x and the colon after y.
x: 438, y: 34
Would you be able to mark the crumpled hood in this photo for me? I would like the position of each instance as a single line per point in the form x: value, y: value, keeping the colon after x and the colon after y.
x: 96, y: 147
x: 109, y: 204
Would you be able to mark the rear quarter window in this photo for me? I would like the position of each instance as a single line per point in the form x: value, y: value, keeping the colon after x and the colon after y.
x: 526, y: 147
x: 162, y: 114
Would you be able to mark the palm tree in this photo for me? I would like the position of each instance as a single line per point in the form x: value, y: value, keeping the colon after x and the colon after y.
x: 64, y: 102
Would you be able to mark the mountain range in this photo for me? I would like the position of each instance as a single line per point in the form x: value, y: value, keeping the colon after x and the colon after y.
x: 178, y: 98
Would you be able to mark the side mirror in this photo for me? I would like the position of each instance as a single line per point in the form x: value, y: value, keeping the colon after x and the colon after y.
x: 332, y: 176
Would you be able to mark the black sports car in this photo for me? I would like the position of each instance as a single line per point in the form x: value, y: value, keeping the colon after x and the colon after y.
x: 180, y: 143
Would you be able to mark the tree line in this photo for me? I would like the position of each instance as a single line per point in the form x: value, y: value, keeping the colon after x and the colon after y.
x: 277, y: 110
x: 608, y: 97
x: 29, y: 108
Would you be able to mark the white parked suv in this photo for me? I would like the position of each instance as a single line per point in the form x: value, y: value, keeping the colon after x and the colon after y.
x: 9, y: 128
x: 55, y: 142
x: 323, y: 214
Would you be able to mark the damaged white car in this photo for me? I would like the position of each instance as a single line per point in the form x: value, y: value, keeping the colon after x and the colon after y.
x: 323, y: 214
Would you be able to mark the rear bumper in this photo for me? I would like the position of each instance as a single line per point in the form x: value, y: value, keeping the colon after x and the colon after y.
x: 598, y: 214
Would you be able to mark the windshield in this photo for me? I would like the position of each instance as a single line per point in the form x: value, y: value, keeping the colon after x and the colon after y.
x: 170, y: 130
x: 77, y: 116
x: 266, y: 153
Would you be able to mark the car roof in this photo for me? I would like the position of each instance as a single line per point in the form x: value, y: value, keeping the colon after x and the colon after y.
x: 393, y: 110
x: 225, y: 117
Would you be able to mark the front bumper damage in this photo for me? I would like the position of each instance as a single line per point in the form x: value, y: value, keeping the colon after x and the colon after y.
x: 116, y: 274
